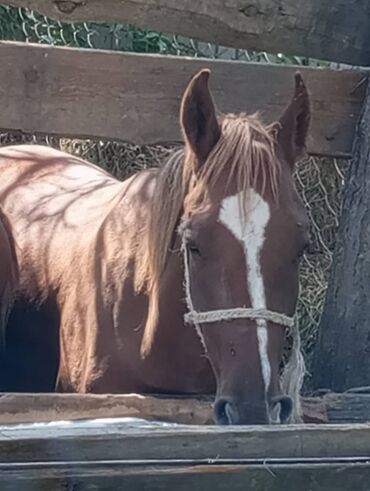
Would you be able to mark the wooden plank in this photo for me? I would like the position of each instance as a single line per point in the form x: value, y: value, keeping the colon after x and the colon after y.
x: 268, y: 477
x: 336, y: 31
x: 29, y: 408
x: 347, y: 407
x: 135, y: 98
x: 117, y: 441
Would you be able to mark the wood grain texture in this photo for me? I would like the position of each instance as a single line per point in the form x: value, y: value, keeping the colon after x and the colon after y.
x: 136, y: 98
x: 347, y: 408
x: 29, y: 408
x: 116, y: 441
x: 337, y: 31
x: 342, y: 358
x: 87, y: 456
x: 232, y: 477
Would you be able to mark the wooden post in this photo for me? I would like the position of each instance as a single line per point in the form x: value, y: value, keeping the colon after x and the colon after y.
x: 342, y: 357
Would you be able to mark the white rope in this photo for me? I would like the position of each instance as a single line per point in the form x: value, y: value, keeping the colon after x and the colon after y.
x: 293, y: 375
x: 189, y: 301
x: 238, y: 313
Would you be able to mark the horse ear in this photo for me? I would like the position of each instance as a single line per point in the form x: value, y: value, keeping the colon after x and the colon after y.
x: 198, y: 117
x: 294, y: 123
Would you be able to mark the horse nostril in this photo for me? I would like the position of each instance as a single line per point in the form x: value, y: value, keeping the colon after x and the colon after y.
x: 219, y: 412
x: 225, y: 412
x: 281, y: 409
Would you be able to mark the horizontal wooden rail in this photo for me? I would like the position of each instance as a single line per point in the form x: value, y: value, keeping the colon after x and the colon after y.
x: 117, y: 440
x: 135, y: 98
x: 337, y: 31
x: 113, y: 455
x: 233, y: 476
x: 30, y: 408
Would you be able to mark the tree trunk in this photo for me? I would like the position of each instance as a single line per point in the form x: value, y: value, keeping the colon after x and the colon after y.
x: 342, y: 357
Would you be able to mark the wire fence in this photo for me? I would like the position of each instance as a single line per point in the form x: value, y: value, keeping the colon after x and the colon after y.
x: 319, y: 181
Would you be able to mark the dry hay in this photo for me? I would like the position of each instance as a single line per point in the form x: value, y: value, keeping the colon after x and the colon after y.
x: 319, y: 181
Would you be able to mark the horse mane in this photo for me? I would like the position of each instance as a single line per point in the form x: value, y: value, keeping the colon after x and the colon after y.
x: 246, y: 149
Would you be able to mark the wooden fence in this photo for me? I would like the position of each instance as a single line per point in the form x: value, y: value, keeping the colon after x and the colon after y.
x: 108, y: 456
x: 87, y: 93
x: 336, y: 31
x: 33, y: 408
x: 136, y: 98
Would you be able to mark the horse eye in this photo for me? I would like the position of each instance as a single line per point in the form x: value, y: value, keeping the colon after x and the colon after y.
x: 193, y: 249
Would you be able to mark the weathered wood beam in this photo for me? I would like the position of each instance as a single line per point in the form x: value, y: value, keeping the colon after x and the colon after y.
x: 115, y: 440
x: 182, y: 477
x: 136, y: 98
x: 29, y: 408
x: 336, y: 31
x: 110, y: 456
x: 113, y: 455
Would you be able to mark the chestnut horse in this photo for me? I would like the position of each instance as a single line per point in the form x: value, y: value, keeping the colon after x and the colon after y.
x: 8, y: 273
x: 216, y: 233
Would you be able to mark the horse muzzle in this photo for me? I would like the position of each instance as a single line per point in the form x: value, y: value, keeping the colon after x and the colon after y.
x: 228, y: 411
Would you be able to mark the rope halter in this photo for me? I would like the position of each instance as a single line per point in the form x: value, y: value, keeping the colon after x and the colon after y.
x: 196, y: 318
x: 193, y: 317
x: 294, y: 371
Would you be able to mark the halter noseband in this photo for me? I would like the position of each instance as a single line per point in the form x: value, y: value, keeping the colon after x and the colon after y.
x: 194, y: 317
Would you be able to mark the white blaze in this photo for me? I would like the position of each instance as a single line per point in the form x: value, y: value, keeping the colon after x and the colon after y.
x: 251, y: 233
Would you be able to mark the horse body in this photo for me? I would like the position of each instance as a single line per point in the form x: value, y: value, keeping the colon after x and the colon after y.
x: 108, y: 269
x: 77, y: 228
x: 8, y: 282
x: 8, y: 271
